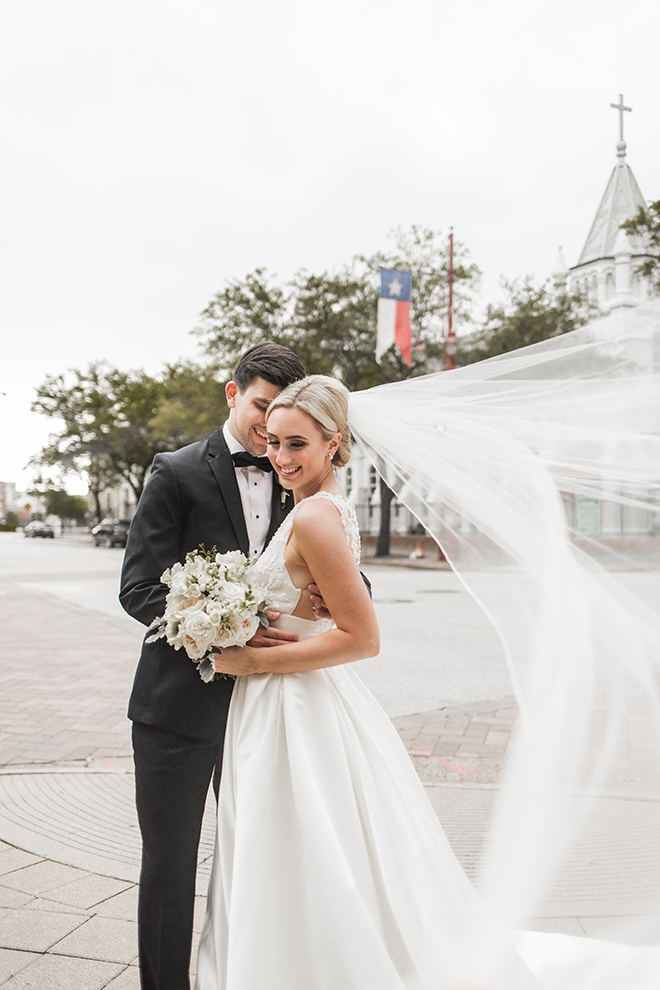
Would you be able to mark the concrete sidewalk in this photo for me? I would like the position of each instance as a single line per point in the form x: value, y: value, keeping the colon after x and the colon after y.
x: 69, y: 842
x: 69, y: 849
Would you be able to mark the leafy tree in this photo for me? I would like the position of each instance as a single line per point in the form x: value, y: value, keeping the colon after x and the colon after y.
x: 115, y: 422
x: 59, y: 503
x: 245, y: 312
x: 192, y: 404
x: 530, y: 313
x: 646, y: 223
x: 330, y: 319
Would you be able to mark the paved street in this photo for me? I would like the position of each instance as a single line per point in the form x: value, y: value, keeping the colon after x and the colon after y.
x: 69, y: 844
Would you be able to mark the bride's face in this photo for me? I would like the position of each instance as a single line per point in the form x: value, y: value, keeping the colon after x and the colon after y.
x: 298, y: 452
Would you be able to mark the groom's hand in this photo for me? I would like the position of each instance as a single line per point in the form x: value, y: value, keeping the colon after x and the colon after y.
x: 318, y: 605
x: 272, y: 636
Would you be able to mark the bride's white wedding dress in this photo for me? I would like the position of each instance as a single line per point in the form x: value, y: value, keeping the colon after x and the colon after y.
x: 331, y: 871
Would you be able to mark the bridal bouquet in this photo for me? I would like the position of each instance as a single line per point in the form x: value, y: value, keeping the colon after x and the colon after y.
x: 211, y: 605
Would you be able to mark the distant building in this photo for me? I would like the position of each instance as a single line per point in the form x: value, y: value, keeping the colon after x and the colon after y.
x: 117, y: 502
x: 606, y: 274
x: 21, y: 503
x: 606, y: 271
x: 361, y: 484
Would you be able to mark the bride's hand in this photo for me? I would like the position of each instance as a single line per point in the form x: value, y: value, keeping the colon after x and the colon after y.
x: 237, y: 660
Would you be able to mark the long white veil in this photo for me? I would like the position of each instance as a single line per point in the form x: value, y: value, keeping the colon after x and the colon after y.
x: 500, y: 461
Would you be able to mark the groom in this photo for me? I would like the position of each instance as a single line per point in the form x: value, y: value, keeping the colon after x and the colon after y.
x: 220, y: 492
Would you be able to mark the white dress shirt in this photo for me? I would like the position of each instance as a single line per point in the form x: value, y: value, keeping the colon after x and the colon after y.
x: 256, y: 488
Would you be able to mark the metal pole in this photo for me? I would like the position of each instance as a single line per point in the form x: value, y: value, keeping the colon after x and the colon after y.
x: 450, y: 341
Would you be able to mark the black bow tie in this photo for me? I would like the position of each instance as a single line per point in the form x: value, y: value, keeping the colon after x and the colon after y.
x: 243, y: 459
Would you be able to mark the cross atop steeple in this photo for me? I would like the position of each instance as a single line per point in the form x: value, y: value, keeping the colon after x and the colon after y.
x: 621, y: 146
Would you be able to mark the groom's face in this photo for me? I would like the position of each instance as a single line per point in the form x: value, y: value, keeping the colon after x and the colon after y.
x: 247, y: 413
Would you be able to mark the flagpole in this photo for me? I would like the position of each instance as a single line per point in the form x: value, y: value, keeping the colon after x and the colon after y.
x: 450, y: 340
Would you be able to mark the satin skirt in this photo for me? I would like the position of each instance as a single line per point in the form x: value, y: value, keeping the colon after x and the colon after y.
x: 331, y: 870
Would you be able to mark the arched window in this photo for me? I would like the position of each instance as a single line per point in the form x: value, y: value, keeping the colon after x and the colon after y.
x: 349, y: 480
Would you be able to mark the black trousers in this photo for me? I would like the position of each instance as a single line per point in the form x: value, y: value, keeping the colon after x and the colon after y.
x: 172, y: 777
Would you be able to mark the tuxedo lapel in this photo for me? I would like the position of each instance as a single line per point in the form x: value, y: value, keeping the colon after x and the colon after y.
x: 224, y: 472
x: 278, y: 511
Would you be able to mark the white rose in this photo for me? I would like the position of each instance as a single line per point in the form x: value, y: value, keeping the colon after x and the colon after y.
x: 196, y: 634
x: 216, y: 612
x: 184, y: 601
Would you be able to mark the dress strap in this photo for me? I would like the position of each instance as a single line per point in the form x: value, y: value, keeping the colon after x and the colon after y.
x: 348, y: 518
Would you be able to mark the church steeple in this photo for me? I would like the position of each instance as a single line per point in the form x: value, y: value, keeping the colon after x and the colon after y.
x: 621, y: 200
x: 560, y: 271
x: 594, y: 275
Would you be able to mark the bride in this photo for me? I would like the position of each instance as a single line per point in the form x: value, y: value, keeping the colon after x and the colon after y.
x: 331, y: 871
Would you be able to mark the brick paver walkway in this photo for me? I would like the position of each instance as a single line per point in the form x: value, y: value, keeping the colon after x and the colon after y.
x: 64, y: 680
x: 65, y: 677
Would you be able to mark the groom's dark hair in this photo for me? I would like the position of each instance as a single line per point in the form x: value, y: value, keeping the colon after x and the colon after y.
x: 272, y: 362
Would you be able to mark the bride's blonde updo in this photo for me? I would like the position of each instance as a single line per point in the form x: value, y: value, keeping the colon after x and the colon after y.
x: 325, y: 400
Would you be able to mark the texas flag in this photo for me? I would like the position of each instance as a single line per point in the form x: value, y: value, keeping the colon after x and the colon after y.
x: 394, y: 313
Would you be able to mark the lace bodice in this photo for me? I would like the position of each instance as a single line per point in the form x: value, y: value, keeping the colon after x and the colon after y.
x: 270, y: 568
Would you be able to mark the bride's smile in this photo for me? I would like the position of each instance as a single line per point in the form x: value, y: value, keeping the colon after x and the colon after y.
x: 298, y: 452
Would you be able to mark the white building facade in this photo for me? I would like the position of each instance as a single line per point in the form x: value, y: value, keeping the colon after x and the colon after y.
x: 606, y: 275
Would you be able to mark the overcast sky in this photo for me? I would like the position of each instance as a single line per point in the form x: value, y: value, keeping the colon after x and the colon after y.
x: 155, y: 148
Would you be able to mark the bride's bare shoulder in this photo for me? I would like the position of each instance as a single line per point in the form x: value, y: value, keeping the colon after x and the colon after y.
x: 317, y: 515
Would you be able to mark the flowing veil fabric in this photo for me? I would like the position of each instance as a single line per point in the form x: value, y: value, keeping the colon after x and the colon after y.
x: 493, y: 459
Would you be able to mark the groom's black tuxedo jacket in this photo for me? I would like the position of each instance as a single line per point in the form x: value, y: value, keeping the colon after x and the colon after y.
x: 191, y: 497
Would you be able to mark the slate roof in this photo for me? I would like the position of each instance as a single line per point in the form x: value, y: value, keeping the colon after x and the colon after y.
x: 621, y: 200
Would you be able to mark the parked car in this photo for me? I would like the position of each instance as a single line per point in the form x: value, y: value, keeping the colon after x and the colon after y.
x: 39, y: 529
x: 111, y: 533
